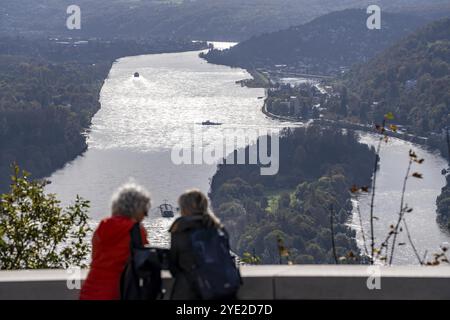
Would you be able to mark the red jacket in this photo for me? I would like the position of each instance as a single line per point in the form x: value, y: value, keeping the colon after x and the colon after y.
x: 110, y: 252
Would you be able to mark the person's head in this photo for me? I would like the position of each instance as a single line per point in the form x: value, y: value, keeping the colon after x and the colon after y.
x: 195, y: 202
x: 132, y: 201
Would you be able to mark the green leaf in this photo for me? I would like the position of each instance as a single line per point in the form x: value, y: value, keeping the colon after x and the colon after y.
x: 389, y: 116
x: 40, y: 233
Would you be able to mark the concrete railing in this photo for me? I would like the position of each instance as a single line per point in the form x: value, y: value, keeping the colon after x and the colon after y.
x: 268, y: 282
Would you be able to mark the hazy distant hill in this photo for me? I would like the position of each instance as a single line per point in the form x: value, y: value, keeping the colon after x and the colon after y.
x: 322, y: 45
x: 195, y: 19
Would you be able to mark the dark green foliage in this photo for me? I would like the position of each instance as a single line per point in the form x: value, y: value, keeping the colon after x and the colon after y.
x: 411, y: 79
x: 35, y: 232
x: 49, y: 92
x: 317, y: 168
x: 43, y: 109
x: 93, y: 51
x: 443, y: 205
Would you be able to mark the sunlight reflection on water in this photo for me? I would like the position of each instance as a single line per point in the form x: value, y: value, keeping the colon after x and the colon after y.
x: 141, y: 119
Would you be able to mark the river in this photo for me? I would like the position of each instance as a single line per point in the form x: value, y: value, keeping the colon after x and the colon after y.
x: 142, y: 119
x: 420, y: 195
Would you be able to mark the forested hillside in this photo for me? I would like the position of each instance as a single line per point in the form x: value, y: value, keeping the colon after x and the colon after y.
x: 443, y: 205
x: 317, y: 169
x: 49, y: 92
x: 410, y: 79
x: 196, y: 19
x: 324, y: 45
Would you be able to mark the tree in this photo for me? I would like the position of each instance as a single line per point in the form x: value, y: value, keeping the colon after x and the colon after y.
x: 35, y: 232
x: 343, y: 108
x: 318, y: 166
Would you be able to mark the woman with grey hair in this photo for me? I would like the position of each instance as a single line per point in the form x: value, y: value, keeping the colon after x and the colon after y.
x: 111, y: 243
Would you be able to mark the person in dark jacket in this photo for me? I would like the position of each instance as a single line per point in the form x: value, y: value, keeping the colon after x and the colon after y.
x: 111, y: 243
x: 195, y: 214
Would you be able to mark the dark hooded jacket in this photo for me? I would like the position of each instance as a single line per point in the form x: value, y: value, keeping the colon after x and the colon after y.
x: 182, y: 257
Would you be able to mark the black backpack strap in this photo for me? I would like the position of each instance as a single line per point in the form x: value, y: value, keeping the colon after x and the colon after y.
x: 129, y: 267
x: 135, y: 243
x: 227, y: 236
x: 136, y: 237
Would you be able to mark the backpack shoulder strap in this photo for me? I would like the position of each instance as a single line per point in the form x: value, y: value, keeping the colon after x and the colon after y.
x: 136, y: 237
x: 227, y: 235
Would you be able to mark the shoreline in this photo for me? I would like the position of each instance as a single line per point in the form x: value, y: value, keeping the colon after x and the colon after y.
x: 422, y: 141
x: 86, y: 130
x: 263, y: 81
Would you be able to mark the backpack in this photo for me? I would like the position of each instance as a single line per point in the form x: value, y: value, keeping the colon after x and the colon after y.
x: 141, y: 278
x: 215, y: 274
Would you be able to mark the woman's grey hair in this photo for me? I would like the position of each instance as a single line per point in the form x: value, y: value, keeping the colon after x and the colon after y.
x: 130, y: 200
